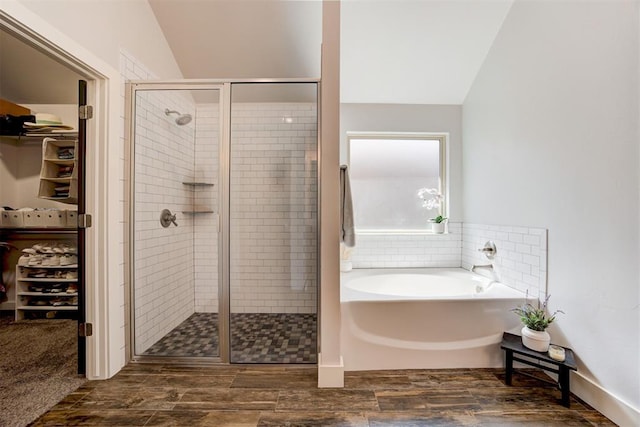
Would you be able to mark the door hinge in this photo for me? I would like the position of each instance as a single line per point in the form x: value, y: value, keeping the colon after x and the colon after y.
x: 85, y: 329
x: 85, y: 112
x: 84, y: 221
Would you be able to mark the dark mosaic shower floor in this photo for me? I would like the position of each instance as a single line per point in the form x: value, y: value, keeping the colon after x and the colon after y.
x: 255, y: 338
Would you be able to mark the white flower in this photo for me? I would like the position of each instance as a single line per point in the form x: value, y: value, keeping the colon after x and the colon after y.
x: 430, y: 203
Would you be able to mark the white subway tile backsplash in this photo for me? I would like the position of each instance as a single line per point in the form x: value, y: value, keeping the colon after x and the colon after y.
x: 408, y: 250
x: 521, y: 259
x: 520, y: 262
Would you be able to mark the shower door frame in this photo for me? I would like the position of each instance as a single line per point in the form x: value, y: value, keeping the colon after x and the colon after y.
x: 224, y: 197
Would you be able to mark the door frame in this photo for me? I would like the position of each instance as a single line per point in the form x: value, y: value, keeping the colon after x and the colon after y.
x: 131, y: 88
x: 104, y: 349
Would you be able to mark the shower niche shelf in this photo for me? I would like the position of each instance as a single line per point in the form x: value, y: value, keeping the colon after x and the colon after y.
x: 198, y: 211
x: 198, y: 184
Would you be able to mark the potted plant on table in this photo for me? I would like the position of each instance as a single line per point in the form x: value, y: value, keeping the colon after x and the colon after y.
x: 536, y: 320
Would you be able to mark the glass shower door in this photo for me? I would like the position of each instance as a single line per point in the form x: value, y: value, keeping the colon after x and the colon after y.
x: 175, y: 196
x: 273, y: 223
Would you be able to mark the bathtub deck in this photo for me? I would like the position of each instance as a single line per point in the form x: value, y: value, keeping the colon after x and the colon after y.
x: 150, y: 394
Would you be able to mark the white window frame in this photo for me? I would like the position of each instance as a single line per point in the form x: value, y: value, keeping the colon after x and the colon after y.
x: 443, y: 138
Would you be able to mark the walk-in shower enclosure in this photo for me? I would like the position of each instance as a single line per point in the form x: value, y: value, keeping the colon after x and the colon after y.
x: 223, y: 221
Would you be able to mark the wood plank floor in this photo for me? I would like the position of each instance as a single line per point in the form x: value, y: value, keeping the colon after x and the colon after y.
x: 165, y: 395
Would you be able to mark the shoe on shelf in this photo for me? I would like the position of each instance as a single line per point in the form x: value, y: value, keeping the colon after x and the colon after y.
x: 35, y: 260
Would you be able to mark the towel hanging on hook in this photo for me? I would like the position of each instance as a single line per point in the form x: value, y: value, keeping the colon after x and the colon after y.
x: 347, y: 226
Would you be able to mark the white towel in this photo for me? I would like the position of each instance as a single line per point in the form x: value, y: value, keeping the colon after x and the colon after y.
x: 347, y: 227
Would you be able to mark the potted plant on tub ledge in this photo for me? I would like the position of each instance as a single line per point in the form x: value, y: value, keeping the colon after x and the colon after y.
x: 432, y: 199
x: 536, y: 321
x: 438, y: 224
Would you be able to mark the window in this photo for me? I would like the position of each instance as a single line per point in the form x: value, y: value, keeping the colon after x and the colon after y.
x: 397, y: 181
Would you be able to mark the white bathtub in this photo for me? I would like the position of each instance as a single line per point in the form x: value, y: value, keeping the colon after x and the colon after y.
x: 424, y: 318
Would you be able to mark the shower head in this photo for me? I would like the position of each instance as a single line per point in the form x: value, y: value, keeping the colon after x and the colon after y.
x: 182, y: 119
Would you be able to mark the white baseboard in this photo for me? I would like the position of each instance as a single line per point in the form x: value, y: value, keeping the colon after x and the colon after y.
x: 330, y: 376
x: 611, y: 406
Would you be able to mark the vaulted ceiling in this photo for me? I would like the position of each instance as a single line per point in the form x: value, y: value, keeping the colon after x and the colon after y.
x: 392, y: 51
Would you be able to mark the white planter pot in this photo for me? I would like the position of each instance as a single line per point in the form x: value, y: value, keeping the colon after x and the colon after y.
x: 535, y: 340
x: 345, y: 265
x: 438, y: 227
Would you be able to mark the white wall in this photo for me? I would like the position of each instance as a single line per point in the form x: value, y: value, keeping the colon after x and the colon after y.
x: 164, y: 257
x: 551, y: 140
x: 104, y: 27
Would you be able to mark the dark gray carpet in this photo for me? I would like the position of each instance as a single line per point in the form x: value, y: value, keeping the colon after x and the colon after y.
x: 38, y: 364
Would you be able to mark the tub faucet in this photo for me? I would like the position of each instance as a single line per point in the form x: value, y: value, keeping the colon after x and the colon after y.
x: 488, y: 267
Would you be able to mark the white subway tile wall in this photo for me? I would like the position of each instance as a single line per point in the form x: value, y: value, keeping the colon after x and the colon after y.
x: 206, y: 199
x: 274, y: 208
x: 409, y: 250
x: 164, y: 257
x: 521, y: 258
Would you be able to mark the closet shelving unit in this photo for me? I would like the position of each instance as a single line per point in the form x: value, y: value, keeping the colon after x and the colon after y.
x: 57, y: 172
x: 26, y: 298
x: 55, y: 229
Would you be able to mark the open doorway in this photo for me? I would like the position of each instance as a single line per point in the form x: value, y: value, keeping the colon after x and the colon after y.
x: 42, y: 169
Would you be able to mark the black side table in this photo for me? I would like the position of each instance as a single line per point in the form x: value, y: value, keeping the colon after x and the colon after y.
x: 513, y: 344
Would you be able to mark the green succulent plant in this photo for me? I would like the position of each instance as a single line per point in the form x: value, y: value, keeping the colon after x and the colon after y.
x: 536, y: 318
x: 438, y: 219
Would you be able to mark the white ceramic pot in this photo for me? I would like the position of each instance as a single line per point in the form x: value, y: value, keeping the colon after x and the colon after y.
x: 438, y: 227
x: 535, y: 340
x: 345, y: 265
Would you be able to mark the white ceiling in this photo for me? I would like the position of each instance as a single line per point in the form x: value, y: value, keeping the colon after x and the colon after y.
x: 392, y: 51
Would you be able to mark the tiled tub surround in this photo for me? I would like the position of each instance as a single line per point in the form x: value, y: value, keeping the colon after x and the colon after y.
x: 521, y: 258
x: 409, y: 250
x: 273, y: 208
x: 470, y: 325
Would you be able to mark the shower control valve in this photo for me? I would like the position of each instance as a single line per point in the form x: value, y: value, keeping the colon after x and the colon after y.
x: 489, y: 250
x: 166, y: 218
